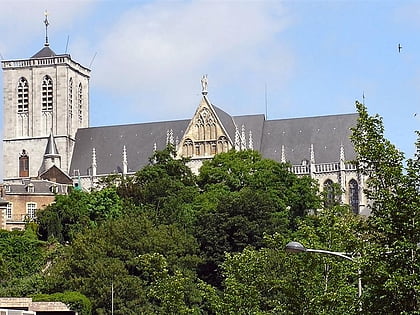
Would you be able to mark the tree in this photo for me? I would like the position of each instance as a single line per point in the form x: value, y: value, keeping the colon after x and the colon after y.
x: 71, y: 214
x: 132, y: 254
x: 391, y: 269
x: 269, y: 280
x: 242, y: 197
x: 164, y: 189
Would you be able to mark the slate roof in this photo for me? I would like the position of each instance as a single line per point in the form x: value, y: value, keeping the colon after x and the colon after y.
x: 109, y: 141
x: 40, y: 187
x: 45, y: 52
x: 325, y: 133
x: 51, y: 148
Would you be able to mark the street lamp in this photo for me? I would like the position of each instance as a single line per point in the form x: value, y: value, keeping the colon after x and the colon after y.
x: 296, y: 247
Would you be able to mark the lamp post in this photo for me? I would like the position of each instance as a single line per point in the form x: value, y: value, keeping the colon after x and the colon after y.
x: 296, y: 247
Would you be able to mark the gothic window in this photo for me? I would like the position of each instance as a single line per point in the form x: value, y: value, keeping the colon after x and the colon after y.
x: 188, y: 148
x: 22, y: 96
x: 24, y: 164
x: 47, y: 94
x: 354, y: 196
x: 9, y: 209
x: 213, y: 148
x: 329, y: 196
x: 30, y: 210
x: 71, y: 98
x: 80, y: 99
x: 222, y: 144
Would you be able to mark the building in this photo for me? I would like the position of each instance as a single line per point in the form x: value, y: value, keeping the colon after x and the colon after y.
x: 47, y: 137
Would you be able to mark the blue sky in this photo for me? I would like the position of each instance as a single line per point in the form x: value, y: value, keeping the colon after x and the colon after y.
x: 309, y: 58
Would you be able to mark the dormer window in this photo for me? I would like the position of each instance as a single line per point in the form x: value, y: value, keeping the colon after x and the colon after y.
x: 30, y: 188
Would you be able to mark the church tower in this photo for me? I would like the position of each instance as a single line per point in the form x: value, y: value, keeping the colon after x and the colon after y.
x: 46, y: 99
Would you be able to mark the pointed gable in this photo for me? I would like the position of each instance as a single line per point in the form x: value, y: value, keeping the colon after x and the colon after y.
x: 209, y: 132
x: 54, y: 174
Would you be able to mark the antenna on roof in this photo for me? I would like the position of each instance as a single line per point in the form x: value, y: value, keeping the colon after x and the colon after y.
x: 67, y: 43
x: 93, y: 58
x: 266, y: 101
x: 1, y: 56
x: 46, y: 28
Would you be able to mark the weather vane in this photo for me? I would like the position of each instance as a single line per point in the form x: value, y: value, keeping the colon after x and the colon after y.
x: 46, y: 27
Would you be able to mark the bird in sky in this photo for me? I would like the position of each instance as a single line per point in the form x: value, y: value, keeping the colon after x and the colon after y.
x: 399, y: 48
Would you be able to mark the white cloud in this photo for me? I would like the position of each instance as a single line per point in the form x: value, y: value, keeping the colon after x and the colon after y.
x: 163, y: 48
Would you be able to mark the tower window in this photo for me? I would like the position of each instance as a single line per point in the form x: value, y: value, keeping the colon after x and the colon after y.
x: 47, y: 94
x: 71, y: 98
x: 23, y: 164
x: 80, y: 97
x: 22, y: 96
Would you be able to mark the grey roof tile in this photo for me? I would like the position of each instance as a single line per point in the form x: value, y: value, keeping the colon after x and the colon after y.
x: 46, y: 51
x: 326, y: 133
x: 139, y: 140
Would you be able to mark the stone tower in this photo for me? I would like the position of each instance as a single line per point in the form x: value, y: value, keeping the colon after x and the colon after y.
x: 46, y: 99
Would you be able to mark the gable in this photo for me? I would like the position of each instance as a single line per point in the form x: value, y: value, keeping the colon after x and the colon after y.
x: 209, y: 132
x: 54, y: 174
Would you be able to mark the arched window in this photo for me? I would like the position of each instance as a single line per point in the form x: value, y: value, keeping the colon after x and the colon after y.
x: 71, y: 98
x: 23, y: 164
x: 47, y: 94
x: 329, y: 195
x: 222, y: 144
x: 80, y: 99
x: 22, y: 96
x: 354, y: 196
x: 187, y: 148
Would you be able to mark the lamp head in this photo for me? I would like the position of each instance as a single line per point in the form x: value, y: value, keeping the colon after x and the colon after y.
x: 295, y: 247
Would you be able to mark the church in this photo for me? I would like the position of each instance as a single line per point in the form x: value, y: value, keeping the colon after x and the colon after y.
x: 48, y: 144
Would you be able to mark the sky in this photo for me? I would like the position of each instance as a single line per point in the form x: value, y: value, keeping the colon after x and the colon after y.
x: 286, y: 59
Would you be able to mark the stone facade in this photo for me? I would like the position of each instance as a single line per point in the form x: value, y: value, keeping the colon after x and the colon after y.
x: 48, y: 144
x: 43, y: 95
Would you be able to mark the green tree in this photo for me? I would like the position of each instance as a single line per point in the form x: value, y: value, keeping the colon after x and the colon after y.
x: 271, y: 281
x: 164, y: 189
x: 71, y: 214
x: 391, y: 272
x: 132, y: 254
x: 242, y: 197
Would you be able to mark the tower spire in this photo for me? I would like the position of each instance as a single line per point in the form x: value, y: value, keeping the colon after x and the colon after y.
x: 46, y: 28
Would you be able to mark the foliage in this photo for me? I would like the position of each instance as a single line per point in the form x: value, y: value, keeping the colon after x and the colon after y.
x: 132, y: 254
x: 244, y: 196
x: 163, y: 189
x: 21, y: 254
x: 71, y: 214
x: 74, y: 300
x: 234, y: 171
x: 392, y: 263
x: 271, y: 281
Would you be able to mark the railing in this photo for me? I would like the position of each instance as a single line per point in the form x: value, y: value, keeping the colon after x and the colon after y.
x: 327, y: 167
x: 42, y: 62
x: 351, y: 167
x: 300, y: 169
